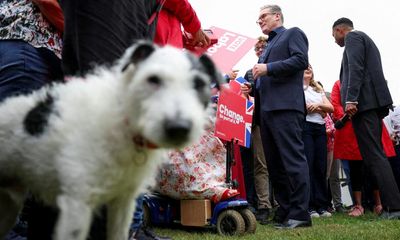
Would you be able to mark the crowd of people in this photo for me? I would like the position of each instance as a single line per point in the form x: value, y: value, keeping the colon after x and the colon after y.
x: 292, y: 168
x: 304, y: 152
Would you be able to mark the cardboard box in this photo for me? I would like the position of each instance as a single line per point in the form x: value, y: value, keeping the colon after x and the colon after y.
x: 195, y: 212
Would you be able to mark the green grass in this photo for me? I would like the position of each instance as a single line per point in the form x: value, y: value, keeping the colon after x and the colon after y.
x: 338, y: 227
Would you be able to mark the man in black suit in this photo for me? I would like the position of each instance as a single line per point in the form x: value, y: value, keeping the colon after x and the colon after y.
x: 367, y: 100
x: 281, y: 111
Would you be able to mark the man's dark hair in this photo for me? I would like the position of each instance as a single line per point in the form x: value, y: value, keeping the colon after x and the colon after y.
x: 344, y: 21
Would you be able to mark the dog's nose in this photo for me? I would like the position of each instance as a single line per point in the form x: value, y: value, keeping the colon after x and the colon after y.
x: 177, y: 129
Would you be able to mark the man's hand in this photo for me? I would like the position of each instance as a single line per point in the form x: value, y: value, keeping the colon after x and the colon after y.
x: 245, y: 88
x: 260, y: 69
x: 351, y: 109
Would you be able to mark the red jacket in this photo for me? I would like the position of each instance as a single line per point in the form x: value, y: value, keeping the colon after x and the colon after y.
x: 172, y: 15
x: 345, y: 144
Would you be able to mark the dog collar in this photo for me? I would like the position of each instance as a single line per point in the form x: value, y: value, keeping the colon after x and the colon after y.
x: 143, y: 143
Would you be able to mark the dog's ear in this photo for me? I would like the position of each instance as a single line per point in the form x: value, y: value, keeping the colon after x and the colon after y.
x: 210, y: 68
x: 141, y: 51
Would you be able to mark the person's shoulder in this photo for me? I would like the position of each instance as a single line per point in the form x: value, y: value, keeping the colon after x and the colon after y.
x: 295, y: 31
x: 356, y: 36
x: 357, y: 33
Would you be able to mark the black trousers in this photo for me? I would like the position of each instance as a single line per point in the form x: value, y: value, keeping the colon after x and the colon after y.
x: 368, y: 130
x: 281, y: 133
x: 99, y: 31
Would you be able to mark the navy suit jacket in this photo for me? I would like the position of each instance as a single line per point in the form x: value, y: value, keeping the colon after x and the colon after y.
x: 286, y: 56
x: 361, y: 74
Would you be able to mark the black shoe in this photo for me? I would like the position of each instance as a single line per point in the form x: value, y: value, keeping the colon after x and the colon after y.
x: 262, y: 216
x: 292, y: 223
x: 278, y: 219
x: 340, y: 209
x: 390, y: 215
x: 279, y: 216
x: 12, y: 235
x: 146, y: 234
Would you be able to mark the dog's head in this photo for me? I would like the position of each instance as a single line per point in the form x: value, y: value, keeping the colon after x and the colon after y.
x: 168, y: 93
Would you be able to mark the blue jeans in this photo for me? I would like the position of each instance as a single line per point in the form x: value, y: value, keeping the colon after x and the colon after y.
x: 24, y: 68
x: 138, y: 214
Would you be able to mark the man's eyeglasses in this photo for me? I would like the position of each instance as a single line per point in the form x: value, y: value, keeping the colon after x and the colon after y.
x: 263, y: 16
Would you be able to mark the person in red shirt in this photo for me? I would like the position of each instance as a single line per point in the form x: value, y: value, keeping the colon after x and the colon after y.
x: 173, y: 15
x: 346, y: 148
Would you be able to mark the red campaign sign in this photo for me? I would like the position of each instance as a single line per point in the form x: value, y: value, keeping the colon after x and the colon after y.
x: 230, y: 48
x: 234, y: 115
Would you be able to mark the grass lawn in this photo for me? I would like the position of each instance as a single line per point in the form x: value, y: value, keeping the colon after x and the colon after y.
x: 339, y: 226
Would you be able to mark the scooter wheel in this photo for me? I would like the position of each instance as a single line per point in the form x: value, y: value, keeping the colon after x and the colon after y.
x: 230, y: 222
x: 249, y: 220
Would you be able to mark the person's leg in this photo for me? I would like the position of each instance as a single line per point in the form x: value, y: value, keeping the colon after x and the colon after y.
x: 368, y: 129
x: 99, y: 32
x: 248, y: 174
x: 138, y: 214
x: 11, y: 202
x: 23, y: 68
x: 378, y: 204
x: 320, y: 165
x: 277, y: 172
x: 395, y: 164
x: 261, y: 177
x: 137, y: 230
x: 334, y: 183
x: 286, y: 128
x: 309, y: 150
x: 356, y: 176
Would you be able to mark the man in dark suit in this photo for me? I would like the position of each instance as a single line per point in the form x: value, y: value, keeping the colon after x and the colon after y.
x: 279, y: 88
x: 367, y: 99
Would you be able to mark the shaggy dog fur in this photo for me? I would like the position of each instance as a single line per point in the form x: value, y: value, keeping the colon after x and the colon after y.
x: 99, y: 140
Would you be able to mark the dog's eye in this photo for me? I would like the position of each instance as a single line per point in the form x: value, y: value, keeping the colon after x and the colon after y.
x: 154, y: 80
x: 199, y: 83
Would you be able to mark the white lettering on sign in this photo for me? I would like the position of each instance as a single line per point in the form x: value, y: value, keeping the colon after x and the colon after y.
x: 222, y: 41
x: 236, y: 44
x: 228, y: 115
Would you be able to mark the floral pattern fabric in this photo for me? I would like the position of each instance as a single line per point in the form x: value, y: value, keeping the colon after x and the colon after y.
x: 22, y: 20
x: 197, y: 172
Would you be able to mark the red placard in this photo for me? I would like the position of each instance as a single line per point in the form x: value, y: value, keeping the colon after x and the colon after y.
x: 230, y: 48
x: 234, y: 115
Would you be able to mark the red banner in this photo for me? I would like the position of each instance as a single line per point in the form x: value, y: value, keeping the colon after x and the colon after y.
x: 234, y: 115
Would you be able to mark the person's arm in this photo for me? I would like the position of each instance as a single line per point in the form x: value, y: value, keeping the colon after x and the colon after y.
x: 355, y: 52
x: 52, y: 11
x: 322, y: 108
x: 184, y: 12
x: 187, y: 16
x: 338, y: 111
x: 298, y: 56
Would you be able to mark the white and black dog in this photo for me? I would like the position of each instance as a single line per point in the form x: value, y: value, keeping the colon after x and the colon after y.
x: 98, y: 140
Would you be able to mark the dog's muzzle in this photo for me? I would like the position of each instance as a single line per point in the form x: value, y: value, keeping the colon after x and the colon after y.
x: 177, y: 131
